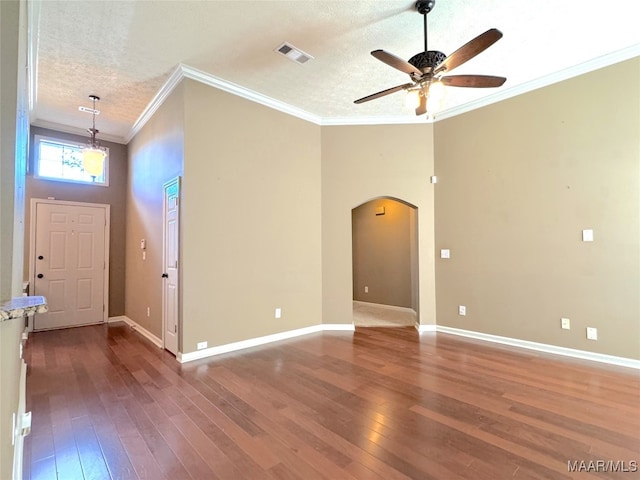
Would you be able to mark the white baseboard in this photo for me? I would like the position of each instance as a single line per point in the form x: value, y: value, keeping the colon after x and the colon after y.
x: 138, y: 328
x: 540, y: 347
x: 426, y: 328
x: 254, y: 342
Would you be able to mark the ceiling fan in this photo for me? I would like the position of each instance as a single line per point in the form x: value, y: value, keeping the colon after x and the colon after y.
x: 428, y: 68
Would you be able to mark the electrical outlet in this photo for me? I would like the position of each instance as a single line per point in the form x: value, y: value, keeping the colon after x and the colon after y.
x: 366, y: 289
x: 462, y: 310
x: 278, y: 313
x: 565, y: 323
x: 201, y: 345
x: 592, y: 333
x: 445, y: 253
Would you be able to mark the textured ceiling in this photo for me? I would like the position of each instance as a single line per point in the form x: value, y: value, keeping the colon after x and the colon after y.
x: 124, y: 51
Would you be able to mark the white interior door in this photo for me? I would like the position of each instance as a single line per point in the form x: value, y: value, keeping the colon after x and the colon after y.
x: 69, y: 263
x: 171, y: 248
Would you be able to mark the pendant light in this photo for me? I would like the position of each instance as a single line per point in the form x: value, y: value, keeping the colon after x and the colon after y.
x: 93, y: 154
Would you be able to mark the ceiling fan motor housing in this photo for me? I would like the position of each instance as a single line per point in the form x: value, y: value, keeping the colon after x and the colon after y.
x: 425, y: 6
x: 427, y: 61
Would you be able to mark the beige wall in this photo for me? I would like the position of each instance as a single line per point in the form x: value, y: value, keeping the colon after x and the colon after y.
x: 382, y: 253
x: 251, y: 210
x: 155, y: 157
x: 360, y: 163
x: 114, y: 195
x: 517, y: 183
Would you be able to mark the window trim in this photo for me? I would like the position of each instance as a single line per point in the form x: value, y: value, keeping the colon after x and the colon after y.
x: 71, y: 143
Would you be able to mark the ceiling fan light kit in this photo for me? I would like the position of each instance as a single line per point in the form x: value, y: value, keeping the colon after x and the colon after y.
x: 427, y: 69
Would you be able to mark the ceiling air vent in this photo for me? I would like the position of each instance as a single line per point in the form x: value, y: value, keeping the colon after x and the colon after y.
x: 292, y: 53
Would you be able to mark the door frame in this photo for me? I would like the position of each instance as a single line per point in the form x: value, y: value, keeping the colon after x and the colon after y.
x: 177, y: 181
x: 32, y: 246
x: 414, y: 247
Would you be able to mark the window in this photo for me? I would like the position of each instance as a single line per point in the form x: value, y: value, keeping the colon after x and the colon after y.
x: 62, y: 161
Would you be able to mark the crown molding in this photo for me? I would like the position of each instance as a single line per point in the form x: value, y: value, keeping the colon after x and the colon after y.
x: 185, y: 71
x: 571, y: 72
x: 213, y: 81
x: 33, y: 40
x: 59, y: 127
x: 389, y: 120
x: 155, y: 103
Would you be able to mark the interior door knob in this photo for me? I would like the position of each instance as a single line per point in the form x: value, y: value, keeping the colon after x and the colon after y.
x: 40, y: 275
x: 40, y: 257
x: 165, y: 275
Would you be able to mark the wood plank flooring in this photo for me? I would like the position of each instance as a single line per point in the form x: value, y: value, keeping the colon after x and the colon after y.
x: 375, y: 404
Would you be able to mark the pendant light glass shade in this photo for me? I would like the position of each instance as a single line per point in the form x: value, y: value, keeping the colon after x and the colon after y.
x: 93, y: 155
x: 93, y: 161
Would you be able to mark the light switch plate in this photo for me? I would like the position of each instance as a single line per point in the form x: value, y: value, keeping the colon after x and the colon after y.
x: 565, y: 323
x: 592, y: 333
x: 462, y: 310
x: 445, y: 253
x: 587, y: 235
x: 434, y: 179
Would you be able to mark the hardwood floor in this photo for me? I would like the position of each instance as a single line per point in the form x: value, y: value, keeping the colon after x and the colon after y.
x: 375, y: 404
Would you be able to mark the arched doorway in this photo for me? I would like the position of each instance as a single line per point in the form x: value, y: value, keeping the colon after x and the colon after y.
x: 385, y: 263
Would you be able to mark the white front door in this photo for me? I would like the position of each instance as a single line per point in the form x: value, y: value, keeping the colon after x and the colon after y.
x: 170, y: 257
x: 69, y: 258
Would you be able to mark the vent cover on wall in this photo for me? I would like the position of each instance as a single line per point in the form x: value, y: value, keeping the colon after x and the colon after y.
x: 292, y: 53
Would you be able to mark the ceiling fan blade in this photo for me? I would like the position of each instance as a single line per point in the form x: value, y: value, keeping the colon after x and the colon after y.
x: 422, y: 108
x: 476, y: 81
x: 395, y: 62
x: 383, y: 93
x: 469, y: 50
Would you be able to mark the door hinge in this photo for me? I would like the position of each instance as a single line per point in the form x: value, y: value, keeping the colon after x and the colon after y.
x: 175, y: 329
